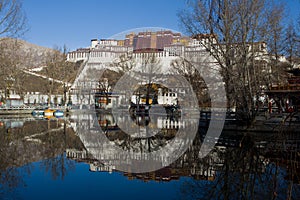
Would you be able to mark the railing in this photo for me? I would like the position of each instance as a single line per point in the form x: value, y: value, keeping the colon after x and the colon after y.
x: 17, y: 108
x: 286, y: 87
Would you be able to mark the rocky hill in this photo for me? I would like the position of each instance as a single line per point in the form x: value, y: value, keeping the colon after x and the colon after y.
x: 28, y: 64
x: 30, y: 55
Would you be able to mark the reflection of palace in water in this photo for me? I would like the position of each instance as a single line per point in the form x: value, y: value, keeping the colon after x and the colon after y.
x: 204, y: 171
x: 125, y: 142
x: 231, y: 147
x: 107, y: 120
x: 234, y: 152
x: 190, y: 164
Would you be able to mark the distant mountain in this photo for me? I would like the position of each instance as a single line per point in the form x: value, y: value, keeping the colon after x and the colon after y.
x: 26, y: 64
x: 31, y: 55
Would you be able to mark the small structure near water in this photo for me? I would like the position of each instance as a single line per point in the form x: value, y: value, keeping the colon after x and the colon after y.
x: 286, y: 96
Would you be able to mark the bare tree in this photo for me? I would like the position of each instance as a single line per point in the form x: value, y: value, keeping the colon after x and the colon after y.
x: 12, y: 18
x: 124, y: 63
x: 104, y: 89
x: 236, y: 29
x: 12, y: 24
x: 184, y: 67
x: 10, y: 66
x: 55, y: 70
x: 150, y: 67
x: 292, y: 42
x: 273, y: 34
x: 143, y: 69
x: 298, y: 37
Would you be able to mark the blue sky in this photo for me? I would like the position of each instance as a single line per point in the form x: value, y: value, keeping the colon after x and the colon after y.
x: 75, y: 22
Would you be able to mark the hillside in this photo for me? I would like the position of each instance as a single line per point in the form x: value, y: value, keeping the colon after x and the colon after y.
x: 30, y: 54
x: 18, y: 57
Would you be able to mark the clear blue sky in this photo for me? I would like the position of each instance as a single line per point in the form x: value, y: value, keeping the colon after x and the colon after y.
x: 75, y: 22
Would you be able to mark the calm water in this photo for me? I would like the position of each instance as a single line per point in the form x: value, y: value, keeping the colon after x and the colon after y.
x: 77, y: 182
x: 50, y: 159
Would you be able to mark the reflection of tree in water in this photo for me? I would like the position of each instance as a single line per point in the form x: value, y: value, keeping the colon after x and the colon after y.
x: 148, y: 138
x: 283, y: 152
x: 11, y: 179
x: 57, y: 166
x: 136, y: 144
x: 245, y: 173
x: 35, y: 141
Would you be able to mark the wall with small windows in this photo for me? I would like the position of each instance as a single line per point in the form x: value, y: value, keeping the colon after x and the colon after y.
x: 167, y: 97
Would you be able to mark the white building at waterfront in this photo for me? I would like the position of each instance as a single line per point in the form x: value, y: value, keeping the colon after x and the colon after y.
x: 104, y: 53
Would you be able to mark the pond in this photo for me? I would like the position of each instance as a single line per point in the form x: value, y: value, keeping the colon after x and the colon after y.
x: 59, y: 159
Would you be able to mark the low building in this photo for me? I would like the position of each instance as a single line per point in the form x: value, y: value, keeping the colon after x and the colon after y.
x: 286, y: 96
x: 167, y: 97
x: 14, y: 100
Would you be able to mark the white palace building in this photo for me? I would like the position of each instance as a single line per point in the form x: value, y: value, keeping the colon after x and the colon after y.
x: 164, y: 45
x: 161, y: 43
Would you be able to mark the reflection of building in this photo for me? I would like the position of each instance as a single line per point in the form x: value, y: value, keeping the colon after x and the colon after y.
x: 164, y: 123
x: 101, y: 167
x: 204, y: 171
x: 180, y: 168
x: 76, y: 154
x: 106, y: 158
x: 111, y: 122
x: 107, y: 121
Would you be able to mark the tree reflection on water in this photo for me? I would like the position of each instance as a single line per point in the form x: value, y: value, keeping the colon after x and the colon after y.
x: 249, y: 171
x: 20, y: 146
x: 243, y: 165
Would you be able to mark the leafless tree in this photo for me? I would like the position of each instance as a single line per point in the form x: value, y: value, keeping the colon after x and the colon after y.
x: 124, y: 63
x: 184, y: 67
x: 150, y: 68
x: 12, y: 24
x: 298, y: 37
x: 292, y: 42
x: 12, y: 18
x: 273, y: 34
x: 10, y: 66
x: 55, y: 70
x: 237, y: 29
x: 143, y: 69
